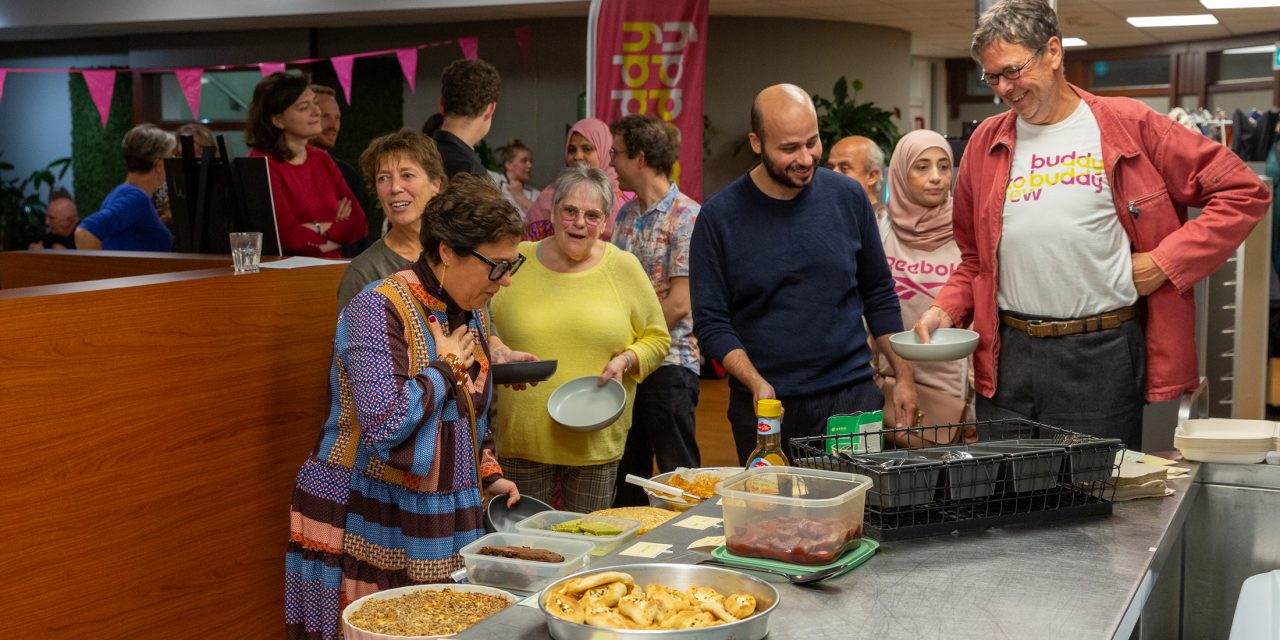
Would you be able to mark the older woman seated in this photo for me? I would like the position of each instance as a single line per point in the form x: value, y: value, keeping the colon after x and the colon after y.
x: 393, y: 488
x: 590, y: 306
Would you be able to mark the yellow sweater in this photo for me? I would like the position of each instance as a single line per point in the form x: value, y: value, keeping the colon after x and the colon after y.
x: 582, y: 320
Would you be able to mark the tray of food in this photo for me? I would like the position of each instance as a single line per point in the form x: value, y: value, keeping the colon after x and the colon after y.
x: 700, y: 482
x: 659, y: 600
x: 421, y: 612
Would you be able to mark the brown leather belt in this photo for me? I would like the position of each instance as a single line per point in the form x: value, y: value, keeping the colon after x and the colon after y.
x: 1056, y: 328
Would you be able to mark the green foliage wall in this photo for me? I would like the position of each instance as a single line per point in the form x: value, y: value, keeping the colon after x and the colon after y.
x: 95, y: 149
x: 377, y: 107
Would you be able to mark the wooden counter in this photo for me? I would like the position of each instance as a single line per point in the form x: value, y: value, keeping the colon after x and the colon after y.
x: 152, y: 428
x: 60, y: 266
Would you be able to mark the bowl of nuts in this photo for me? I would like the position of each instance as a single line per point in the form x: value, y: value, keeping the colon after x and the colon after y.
x: 422, y: 611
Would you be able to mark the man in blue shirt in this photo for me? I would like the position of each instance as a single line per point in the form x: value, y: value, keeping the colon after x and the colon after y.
x: 128, y: 220
x: 786, y: 264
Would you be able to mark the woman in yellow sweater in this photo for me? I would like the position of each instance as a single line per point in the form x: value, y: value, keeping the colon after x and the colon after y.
x: 590, y: 306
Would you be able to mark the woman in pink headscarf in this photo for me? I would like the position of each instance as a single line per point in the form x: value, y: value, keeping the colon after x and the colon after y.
x: 589, y: 142
x: 922, y: 254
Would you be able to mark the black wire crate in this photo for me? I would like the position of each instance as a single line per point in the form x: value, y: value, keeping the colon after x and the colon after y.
x: 1001, y: 472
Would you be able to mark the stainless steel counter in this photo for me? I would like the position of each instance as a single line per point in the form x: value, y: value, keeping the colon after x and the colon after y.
x: 1077, y: 580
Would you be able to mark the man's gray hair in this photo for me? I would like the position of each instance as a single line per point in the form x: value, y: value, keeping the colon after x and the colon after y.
x: 1029, y: 23
x: 581, y: 175
x: 874, y: 161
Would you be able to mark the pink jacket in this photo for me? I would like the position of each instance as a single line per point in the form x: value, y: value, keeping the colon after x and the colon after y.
x: 1156, y: 169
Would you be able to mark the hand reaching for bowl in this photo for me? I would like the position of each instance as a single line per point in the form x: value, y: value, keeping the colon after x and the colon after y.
x: 933, y: 319
x: 503, y: 486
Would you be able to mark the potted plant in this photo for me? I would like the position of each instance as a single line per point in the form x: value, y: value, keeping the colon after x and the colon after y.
x: 22, y: 204
x: 843, y: 116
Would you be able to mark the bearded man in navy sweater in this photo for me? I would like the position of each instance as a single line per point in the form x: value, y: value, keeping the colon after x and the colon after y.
x: 785, y: 265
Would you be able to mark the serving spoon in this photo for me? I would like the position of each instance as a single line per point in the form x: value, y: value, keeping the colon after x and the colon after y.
x: 801, y: 579
x: 662, y: 488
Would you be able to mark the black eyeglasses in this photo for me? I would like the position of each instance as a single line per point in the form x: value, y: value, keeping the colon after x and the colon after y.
x: 1010, y: 73
x: 499, y: 268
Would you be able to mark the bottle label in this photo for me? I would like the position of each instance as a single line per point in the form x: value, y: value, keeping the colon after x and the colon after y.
x: 768, y: 426
x: 759, y: 462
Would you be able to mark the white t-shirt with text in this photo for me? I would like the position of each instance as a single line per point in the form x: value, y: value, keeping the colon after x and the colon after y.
x: 1063, y: 253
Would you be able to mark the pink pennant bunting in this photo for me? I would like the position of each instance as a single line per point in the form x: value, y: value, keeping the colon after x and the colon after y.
x: 190, y: 81
x: 342, y: 66
x: 2, y: 74
x: 470, y: 47
x: 409, y: 66
x: 269, y: 68
x: 524, y: 40
x: 101, y: 83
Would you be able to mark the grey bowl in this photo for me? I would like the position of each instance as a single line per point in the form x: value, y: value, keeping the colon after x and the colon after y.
x: 676, y: 576
x: 944, y: 345
x: 582, y: 404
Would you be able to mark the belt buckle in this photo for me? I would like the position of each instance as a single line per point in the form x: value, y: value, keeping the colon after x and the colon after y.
x: 1043, y: 328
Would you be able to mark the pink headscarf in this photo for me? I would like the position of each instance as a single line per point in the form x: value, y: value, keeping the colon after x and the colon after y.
x: 916, y: 225
x: 597, y: 133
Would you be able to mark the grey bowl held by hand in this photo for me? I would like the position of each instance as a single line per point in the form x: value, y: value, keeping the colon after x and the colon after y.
x: 523, y: 372
x: 582, y: 404
x: 944, y: 345
x: 498, y: 518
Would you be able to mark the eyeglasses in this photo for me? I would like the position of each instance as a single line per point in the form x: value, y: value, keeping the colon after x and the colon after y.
x: 499, y: 268
x: 1010, y: 73
x: 570, y: 213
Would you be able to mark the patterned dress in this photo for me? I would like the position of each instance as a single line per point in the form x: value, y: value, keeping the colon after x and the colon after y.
x: 392, y: 490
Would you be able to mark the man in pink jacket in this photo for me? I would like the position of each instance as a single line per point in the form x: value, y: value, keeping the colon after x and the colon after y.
x: 1078, y: 262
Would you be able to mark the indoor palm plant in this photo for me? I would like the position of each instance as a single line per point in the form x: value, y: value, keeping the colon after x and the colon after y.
x: 843, y: 116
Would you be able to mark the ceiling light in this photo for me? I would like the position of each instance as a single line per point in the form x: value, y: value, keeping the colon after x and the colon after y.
x: 1073, y: 42
x: 1239, y: 4
x: 1262, y: 48
x: 1172, y: 21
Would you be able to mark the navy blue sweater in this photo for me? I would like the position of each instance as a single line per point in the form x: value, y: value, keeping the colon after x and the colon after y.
x: 790, y: 281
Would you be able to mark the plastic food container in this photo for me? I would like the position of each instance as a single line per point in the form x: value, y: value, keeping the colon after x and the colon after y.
x: 540, y: 525
x: 523, y: 575
x: 679, y: 504
x: 800, y: 516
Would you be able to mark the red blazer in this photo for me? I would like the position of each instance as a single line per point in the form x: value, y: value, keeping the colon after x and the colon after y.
x: 1156, y: 169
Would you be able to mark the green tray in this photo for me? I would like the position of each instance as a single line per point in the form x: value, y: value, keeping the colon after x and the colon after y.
x: 851, y: 558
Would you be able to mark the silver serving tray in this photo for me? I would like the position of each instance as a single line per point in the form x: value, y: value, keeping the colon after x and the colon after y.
x: 675, y: 576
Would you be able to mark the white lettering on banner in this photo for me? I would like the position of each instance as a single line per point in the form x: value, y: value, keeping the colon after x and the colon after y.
x: 686, y: 32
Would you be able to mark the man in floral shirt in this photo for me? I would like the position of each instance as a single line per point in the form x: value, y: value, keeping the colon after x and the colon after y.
x: 656, y: 227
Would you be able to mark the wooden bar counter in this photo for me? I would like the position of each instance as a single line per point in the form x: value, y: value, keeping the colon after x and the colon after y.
x: 152, y: 426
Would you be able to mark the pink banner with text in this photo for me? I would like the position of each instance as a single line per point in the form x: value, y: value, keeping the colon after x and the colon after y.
x: 650, y: 58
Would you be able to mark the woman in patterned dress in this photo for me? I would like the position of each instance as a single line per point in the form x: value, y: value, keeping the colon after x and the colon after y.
x: 394, y: 486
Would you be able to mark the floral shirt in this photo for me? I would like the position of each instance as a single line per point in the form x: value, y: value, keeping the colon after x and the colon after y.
x: 659, y: 237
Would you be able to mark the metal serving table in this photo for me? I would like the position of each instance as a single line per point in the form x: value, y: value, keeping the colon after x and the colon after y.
x: 1077, y: 580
